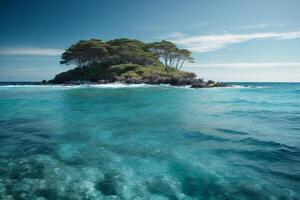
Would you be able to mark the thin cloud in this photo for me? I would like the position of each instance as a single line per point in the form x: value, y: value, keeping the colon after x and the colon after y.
x: 172, y: 36
x: 30, y: 51
x: 208, y: 43
x: 256, y: 26
x: 203, y: 23
x: 247, y: 64
x: 259, y: 26
x: 176, y: 35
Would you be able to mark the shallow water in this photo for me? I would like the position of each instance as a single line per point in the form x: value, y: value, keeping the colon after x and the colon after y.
x: 150, y: 142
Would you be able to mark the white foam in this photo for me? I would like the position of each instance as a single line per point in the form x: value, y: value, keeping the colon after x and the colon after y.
x: 122, y: 85
x: 248, y: 86
x: 110, y: 85
x: 117, y: 85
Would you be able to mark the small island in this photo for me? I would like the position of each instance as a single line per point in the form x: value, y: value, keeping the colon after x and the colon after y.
x: 128, y: 61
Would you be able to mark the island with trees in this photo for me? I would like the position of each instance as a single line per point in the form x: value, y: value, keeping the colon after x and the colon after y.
x: 128, y: 61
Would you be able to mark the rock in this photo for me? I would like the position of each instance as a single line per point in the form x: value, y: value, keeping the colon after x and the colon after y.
x: 219, y: 84
x: 199, y: 85
x: 208, y: 84
x: 43, y: 82
x: 78, y: 82
x: 137, y: 81
x: 103, y: 81
x: 154, y: 79
x: 174, y: 81
x: 163, y: 80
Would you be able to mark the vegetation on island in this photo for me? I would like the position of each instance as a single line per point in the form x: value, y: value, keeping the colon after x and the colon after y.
x: 128, y: 61
x: 86, y: 53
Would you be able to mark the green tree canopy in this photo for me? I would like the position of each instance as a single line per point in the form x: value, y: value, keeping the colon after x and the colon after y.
x: 86, y: 53
x: 164, y: 50
x: 131, y: 51
x: 182, y: 56
x: 170, y: 54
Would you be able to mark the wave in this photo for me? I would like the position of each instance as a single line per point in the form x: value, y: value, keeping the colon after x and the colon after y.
x: 117, y: 85
x: 230, y: 131
x: 262, y: 143
x: 110, y: 85
x: 248, y: 86
x: 120, y: 85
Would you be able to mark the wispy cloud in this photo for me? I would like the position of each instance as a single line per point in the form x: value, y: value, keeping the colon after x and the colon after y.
x: 259, y: 26
x: 208, y: 43
x: 247, y: 64
x: 171, y: 36
x: 31, y: 51
x: 203, y: 23
x: 176, y: 35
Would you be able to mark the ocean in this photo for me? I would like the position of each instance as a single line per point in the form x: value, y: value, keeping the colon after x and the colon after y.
x: 149, y: 142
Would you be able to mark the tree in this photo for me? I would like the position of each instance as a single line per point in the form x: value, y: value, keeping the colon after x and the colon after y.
x: 165, y: 50
x: 93, y: 52
x: 85, y: 52
x: 171, y: 54
x: 131, y: 51
x: 182, y: 56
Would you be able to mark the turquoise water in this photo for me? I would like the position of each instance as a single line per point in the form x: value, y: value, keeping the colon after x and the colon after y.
x: 150, y: 142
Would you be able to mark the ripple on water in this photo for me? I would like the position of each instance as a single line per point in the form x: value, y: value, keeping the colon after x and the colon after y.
x: 149, y: 143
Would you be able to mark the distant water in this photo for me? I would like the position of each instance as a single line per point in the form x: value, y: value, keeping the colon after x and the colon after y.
x: 150, y: 142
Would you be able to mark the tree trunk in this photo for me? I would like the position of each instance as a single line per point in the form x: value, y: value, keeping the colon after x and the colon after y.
x: 177, y: 63
x: 171, y: 62
x: 166, y: 62
x: 181, y: 64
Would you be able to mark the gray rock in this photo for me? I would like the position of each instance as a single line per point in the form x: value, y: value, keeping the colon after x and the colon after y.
x: 199, y: 85
x: 103, y: 81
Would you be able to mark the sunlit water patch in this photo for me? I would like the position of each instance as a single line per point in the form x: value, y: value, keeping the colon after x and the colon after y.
x: 150, y: 142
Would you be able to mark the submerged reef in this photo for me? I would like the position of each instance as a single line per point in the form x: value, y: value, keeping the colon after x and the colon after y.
x: 43, y: 177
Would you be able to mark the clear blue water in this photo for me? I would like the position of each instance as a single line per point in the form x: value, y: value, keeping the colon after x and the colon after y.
x: 150, y: 142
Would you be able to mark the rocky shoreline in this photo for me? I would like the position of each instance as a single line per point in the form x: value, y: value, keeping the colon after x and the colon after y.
x: 191, y: 82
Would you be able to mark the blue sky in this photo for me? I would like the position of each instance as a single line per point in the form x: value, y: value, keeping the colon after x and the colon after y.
x: 232, y: 40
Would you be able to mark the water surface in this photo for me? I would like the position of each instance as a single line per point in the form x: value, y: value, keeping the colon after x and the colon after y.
x: 150, y: 142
